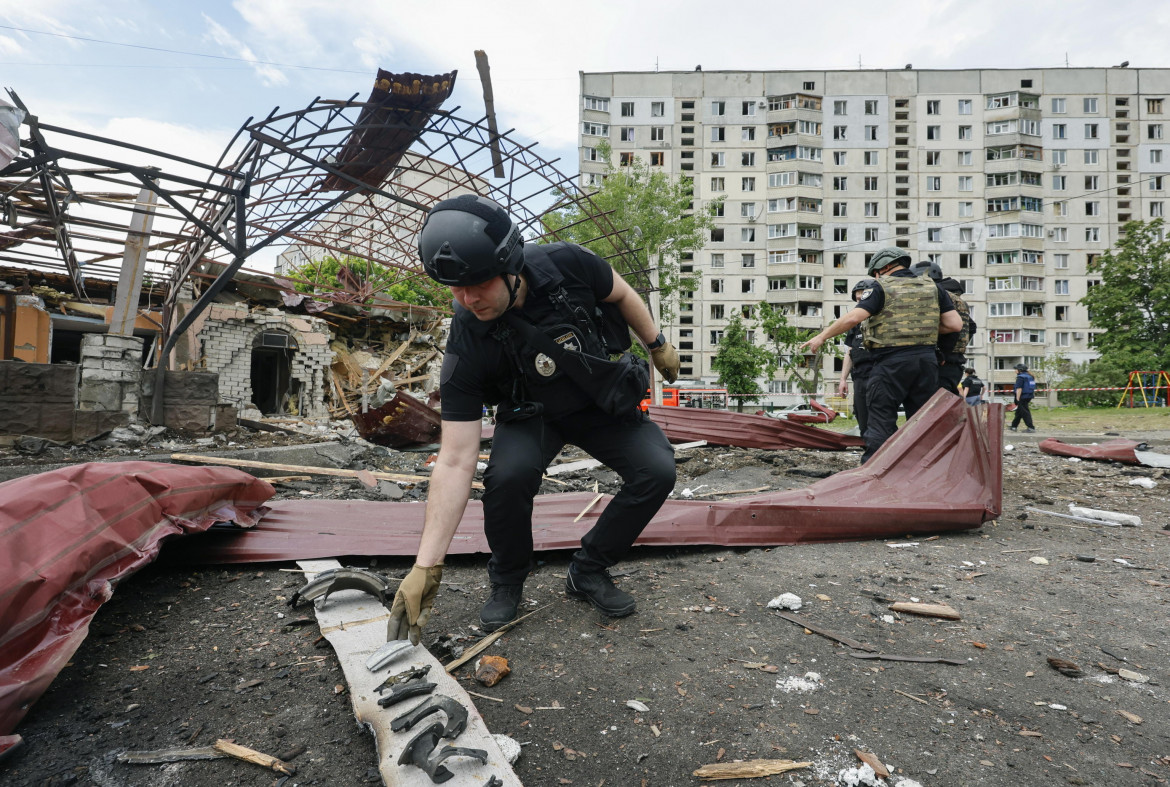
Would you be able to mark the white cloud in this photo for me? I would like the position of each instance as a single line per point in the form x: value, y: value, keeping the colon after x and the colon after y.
x: 271, y: 76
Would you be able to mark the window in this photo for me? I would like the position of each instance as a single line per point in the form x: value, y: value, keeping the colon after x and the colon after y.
x: 716, y: 337
x: 840, y: 183
x: 1059, y: 234
x: 965, y: 106
x: 840, y: 209
x: 871, y: 132
x: 627, y: 109
x: 747, y: 260
x: 1060, y: 131
x: 657, y: 158
x: 966, y: 210
x: 934, y: 235
x: 716, y: 285
x: 598, y: 104
x: 871, y: 210
x: 657, y: 109
x: 627, y: 133
x: 718, y: 160
x: 747, y: 285
x: 1092, y: 208
x: 1090, y: 105
x: 591, y: 154
x: 748, y: 108
x: 1156, y: 183
x: 871, y: 107
x: 747, y: 133
x: 747, y: 159
x: 747, y: 184
x: 1154, y: 131
x: 1060, y: 286
x: 1156, y: 210
x: 934, y: 183
x: 839, y: 108
x: 1091, y: 131
x: 1059, y: 182
x: 932, y: 107
x: 934, y: 132
x: 716, y: 260
x: 747, y: 234
x: 871, y: 234
x: 933, y: 209
x: 965, y: 158
x: 840, y: 234
x: 839, y: 132
x: 965, y: 132
x: 1059, y: 208
x: 1059, y: 157
x: 627, y: 159
x: 718, y: 133
x: 595, y: 129
x: 1155, y: 156
x: 966, y: 183
x: 966, y: 234
x: 718, y: 184
x: 1092, y: 182
x: 933, y: 158
x: 1154, y: 106
x: 718, y: 108
x: 747, y: 210
x: 1092, y: 234
x: 1091, y: 157
x: 839, y: 158
x: 870, y: 158
x: 871, y: 183
x: 716, y: 234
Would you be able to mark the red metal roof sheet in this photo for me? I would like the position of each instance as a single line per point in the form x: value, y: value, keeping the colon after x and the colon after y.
x: 721, y: 427
x: 67, y: 535
x: 1112, y: 450
x: 940, y: 472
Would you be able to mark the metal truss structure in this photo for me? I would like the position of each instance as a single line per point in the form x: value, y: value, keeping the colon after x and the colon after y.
x: 337, y: 178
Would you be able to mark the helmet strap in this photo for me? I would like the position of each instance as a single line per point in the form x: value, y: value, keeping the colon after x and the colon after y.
x: 513, y: 288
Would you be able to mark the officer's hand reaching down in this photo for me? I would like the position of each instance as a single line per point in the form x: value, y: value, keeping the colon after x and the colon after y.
x: 666, y: 361
x: 413, y: 603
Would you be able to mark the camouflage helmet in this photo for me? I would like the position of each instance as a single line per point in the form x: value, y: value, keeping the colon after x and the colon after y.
x: 887, y: 256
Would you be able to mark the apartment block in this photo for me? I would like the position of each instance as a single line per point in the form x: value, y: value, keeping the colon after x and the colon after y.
x: 1012, y: 180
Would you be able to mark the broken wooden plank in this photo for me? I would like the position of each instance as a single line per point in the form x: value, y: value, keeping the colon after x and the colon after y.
x: 849, y: 643
x: 748, y: 769
x: 735, y: 492
x: 944, y: 611
x: 871, y: 759
x: 916, y: 659
x: 569, y: 467
x: 587, y: 508
x: 254, y: 757
x: 161, y: 756
x: 482, y: 645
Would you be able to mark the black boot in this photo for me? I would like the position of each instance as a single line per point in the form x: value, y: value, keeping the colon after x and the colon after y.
x: 598, y: 589
x: 501, y: 606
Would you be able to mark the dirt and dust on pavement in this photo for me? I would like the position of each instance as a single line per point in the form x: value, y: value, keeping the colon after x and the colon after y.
x: 704, y: 672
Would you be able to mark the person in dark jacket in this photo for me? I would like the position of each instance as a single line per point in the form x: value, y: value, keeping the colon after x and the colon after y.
x: 952, y: 347
x: 858, y: 361
x: 506, y: 290
x: 904, y: 316
x: 1025, y: 391
x: 971, y: 389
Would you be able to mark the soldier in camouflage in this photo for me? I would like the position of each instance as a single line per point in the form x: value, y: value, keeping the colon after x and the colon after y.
x: 952, y: 347
x: 904, y: 316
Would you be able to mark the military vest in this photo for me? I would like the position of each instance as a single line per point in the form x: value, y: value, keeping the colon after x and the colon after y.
x: 909, y: 317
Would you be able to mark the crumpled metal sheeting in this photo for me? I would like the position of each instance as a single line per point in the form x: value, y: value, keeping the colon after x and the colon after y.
x: 744, y: 430
x: 67, y: 535
x: 1111, y: 450
x: 941, y: 471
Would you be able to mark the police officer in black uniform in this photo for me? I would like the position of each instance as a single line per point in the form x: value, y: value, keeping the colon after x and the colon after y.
x: 952, y: 347
x: 858, y: 360
x: 904, y: 315
x: 471, y: 244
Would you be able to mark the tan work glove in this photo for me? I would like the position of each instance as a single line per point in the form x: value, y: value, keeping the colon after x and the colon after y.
x: 666, y: 361
x: 413, y: 602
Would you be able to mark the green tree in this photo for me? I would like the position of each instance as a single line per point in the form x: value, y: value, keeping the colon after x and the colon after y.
x: 655, y: 208
x: 367, y: 279
x: 1131, y: 305
x: 740, y: 363
x: 783, y: 343
x: 1102, y: 373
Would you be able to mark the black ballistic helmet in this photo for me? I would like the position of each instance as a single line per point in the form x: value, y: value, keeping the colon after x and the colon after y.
x: 862, y: 284
x: 931, y: 269
x: 1021, y: 367
x: 469, y: 239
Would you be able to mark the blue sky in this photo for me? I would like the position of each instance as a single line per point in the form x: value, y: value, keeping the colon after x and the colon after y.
x: 192, y: 105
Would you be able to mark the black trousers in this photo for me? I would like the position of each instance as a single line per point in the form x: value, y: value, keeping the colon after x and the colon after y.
x: 860, y: 409
x: 634, y: 447
x: 1023, y: 413
x: 903, y: 378
x: 949, y: 376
